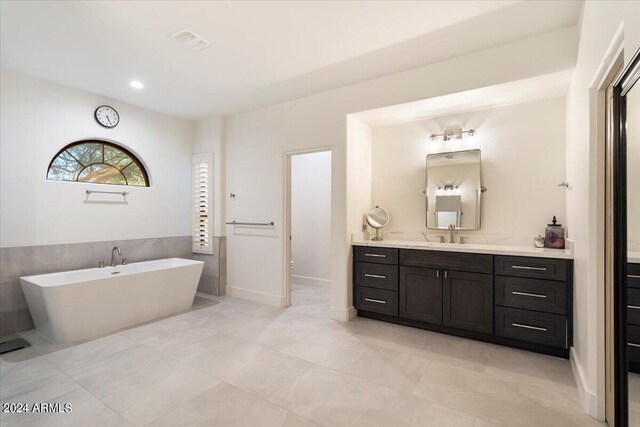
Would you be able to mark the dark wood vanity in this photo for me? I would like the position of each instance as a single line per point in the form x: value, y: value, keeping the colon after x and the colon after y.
x: 633, y: 317
x: 522, y: 302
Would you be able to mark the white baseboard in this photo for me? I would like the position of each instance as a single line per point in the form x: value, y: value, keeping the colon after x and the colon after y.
x: 256, y: 296
x: 588, y: 398
x: 310, y: 281
x: 343, y: 314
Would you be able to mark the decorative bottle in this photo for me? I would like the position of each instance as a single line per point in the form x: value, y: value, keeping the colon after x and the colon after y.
x: 554, y: 235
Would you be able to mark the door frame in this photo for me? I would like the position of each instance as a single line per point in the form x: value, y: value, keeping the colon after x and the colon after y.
x: 286, y: 268
x: 599, y: 402
x: 605, y: 138
x: 629, y: 77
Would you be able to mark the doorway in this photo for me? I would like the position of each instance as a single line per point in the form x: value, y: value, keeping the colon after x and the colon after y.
x: 308, y: 225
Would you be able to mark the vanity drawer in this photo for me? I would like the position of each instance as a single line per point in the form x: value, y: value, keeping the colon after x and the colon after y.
x: 534, y: 268
x: 382, y: 276
x: 531, y: 294
x: 633, y: 306
x: 376, y: 300
x: 376, y: 255
x: 455, y: 261
x: 532, y: 326
x: 633, y: 275
x: 633, y: 343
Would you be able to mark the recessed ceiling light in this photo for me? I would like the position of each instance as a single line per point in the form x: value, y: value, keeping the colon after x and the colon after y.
x: 136, y: 84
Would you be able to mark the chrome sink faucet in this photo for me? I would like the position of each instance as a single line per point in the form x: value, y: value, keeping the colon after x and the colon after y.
x: 113, y: 255
x: 452, y: 229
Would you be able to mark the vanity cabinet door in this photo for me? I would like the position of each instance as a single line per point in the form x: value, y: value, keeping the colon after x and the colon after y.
x: 633, y: 306
x: 468, y: 301
x: 531, y: 294
x: 376, y: 300
x: 381, y: 276
x: 532, y: 326
x: 633, y: 275
x: 473, y: 263
x: 633, y: 348
x: 421, y: 294
x: 376, y: 255
x: 532, y: 268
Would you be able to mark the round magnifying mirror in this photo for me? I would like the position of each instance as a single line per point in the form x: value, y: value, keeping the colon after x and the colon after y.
x: 377, y: 218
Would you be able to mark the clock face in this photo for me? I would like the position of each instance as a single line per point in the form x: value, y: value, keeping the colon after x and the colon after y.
x: 107, y: 116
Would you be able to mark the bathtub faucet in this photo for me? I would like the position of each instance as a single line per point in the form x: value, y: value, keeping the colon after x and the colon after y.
x: 113, y: 255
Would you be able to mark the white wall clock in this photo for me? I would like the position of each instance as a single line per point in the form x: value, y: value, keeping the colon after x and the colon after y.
x: 106, y: 116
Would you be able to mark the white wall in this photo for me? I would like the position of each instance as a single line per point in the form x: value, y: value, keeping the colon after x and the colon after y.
x: 523, y: 160
x: 311, y: 218
x: 257, y: 141
x: 359, y: 175
x: 38, y: 119
x: 209, y: 138
x: 600, y: 22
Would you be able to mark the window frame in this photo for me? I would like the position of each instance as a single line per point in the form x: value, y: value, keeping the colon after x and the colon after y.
x: 133, y: 157
x: 196, y: 199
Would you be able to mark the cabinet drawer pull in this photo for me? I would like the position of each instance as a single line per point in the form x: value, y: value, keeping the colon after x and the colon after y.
x: 379, y: 301
x: 635, y: 307
x: 633, y: 276
x: 376, y: 255
x: 632, y: 344
x: 527, y: 294
x: 375, y: 276
x: 522, y: 267
x: 438, y: 273
x: 535, y: 328
x: 446, y: 274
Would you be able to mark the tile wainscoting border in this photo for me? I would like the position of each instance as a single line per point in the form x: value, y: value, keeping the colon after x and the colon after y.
x: 30, y: 260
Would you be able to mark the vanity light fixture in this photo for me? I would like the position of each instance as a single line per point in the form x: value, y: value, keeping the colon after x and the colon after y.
x: 448, y: 187
x: 449, y: 136
x: 136, y: 84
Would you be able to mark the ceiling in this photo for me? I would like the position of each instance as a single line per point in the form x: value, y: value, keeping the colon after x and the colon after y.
x: 553, y: 85
x: 262, y: 52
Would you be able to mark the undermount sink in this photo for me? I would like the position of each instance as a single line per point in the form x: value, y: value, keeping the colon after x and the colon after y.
x: 447, y: 244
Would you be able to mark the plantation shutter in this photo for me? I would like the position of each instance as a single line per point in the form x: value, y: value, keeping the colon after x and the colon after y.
x: 201, y: 166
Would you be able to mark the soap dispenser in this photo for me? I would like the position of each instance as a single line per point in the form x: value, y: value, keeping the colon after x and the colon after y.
x: 554, y: 235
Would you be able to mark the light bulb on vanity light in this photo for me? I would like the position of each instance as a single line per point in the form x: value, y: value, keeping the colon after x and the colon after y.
x: 136, y: 84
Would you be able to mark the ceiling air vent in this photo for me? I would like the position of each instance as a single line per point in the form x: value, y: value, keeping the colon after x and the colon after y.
x: 191, y: 40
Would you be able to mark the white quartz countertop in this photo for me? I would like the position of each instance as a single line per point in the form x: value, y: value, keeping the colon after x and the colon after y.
x: 632, y: 257
x: 529, y: 251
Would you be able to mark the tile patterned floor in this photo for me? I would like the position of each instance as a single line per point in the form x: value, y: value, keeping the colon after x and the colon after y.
x: 239, y: 363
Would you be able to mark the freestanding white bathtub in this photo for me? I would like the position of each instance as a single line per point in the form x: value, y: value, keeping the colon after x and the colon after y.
x: 81, y: 304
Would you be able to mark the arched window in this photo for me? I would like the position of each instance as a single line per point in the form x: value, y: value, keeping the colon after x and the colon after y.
x: 97, y: 162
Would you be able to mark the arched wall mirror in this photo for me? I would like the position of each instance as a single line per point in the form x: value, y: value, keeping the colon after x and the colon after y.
x: 626, y: 245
